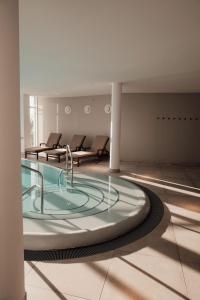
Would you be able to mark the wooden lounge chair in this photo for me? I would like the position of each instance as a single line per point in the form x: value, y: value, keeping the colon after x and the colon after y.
x: 97, y: 150
x: 52, y: 143
x: 75, y: 145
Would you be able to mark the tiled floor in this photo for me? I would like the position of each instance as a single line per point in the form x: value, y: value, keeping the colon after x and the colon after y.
x: 165, y: 264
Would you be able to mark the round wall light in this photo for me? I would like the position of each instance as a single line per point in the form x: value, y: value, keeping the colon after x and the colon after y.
x: 107, y: 108
x: 68, y: 109
x: 87, y: 109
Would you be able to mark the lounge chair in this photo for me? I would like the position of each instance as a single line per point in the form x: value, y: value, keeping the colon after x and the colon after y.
x: 97, y: 150
x: 52, y: 143
x: 75, y: 145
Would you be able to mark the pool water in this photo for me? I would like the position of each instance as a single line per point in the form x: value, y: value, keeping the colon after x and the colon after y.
x: 61, y: 200
x: 96, y: 208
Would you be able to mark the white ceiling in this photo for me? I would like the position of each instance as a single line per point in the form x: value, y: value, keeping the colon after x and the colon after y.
x: 77, y: 47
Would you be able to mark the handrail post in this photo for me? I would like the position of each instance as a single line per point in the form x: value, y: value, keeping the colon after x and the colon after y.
x: 69, y: 164
x: 42, y: 195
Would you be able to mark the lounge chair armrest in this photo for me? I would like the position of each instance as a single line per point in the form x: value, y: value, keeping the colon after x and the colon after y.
x: 60, y: 146
x: 43, y: 144
x: 86, y: 148
x: 64, y: 146
x: 106, y: 152
x: 102, y: 151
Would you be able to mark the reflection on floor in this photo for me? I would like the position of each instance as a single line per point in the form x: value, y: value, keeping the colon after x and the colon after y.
x: 165, y: 264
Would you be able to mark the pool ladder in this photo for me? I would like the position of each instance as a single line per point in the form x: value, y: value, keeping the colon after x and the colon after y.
x: 69, y: 168
x: 41, y: 186
x: 69, y: 164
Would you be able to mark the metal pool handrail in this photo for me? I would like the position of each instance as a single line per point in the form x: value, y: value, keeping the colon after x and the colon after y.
x: 69, y: 163
x: 29, y: 190
x: 42, y: 185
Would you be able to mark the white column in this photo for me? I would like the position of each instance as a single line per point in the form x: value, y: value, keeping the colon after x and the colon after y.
x: 115, y: 127
x: 11, y: 233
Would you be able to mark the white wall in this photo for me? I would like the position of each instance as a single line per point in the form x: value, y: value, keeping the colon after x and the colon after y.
x: 95, y: 123
x: 143, y: 136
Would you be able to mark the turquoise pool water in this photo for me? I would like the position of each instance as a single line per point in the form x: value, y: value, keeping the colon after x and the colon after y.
x: 95, y: 209
x: 88, y: 196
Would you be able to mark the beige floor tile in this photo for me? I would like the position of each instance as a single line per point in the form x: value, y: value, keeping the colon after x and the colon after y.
x: 188, y: 243
x: 144, y: 182
x: 154, y: 249
x: 35, y: 293
x: 142, y: 278
x: 187, y: 202
x: 27, y: 268
x: 178, y: 212
x: 196, y: 183
x: 152, y: 187
x: 192, y: 279
x: 191, y: 227
x: 177, y: 181
x: 153, y: 172
x: 175, y: 178
x: 181, y: 187
x: 132, y: 167
x: 79, y: 279
x: 188, y: 222
x: 173, y: 170
x: 159, y: 243
x: 193, y: 174
x: 183, y: 215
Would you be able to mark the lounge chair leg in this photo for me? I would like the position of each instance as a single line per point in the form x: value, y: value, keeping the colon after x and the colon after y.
x: 59, y: 158
x: 78, y: 162
x: 47, y: 157
x: 37, y: 156
x: 25, y: 154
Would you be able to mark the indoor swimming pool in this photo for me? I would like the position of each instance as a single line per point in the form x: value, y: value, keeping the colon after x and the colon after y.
x: 64, y: 210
